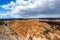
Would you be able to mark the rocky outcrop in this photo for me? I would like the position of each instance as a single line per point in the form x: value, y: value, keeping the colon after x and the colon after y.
x: 28, y: 30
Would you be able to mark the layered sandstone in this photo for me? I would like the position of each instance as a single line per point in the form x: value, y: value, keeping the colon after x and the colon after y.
x: 31, y: 30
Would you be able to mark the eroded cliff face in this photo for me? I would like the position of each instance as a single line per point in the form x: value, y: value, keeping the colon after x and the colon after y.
x: 30, y: 30
x: 7, y: 34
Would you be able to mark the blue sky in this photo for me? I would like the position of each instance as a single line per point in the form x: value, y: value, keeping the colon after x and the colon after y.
x: 2, y: 2
x: 29, y: 9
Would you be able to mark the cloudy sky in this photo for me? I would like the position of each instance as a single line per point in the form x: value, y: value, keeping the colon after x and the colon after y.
x: 29, y: 9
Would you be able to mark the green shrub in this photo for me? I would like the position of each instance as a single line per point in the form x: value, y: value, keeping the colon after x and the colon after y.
x: 55, y: 27
x: 46, y: 31
x: 1, y: 22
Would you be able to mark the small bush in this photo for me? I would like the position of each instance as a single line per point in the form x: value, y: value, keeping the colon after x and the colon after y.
x: 46, y: 31
x: 55, y: 27
x: 1, y: 22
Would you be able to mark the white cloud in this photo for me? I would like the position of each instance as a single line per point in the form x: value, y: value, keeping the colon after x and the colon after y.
x: 21, y: 4
x: 24, y: 7
x: 10, y: 5
x: 46, y: 16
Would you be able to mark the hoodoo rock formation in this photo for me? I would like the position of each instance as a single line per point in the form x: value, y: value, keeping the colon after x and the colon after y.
x: 32, y: 29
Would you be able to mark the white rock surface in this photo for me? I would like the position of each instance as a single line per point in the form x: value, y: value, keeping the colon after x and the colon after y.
x: 39, y: 39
